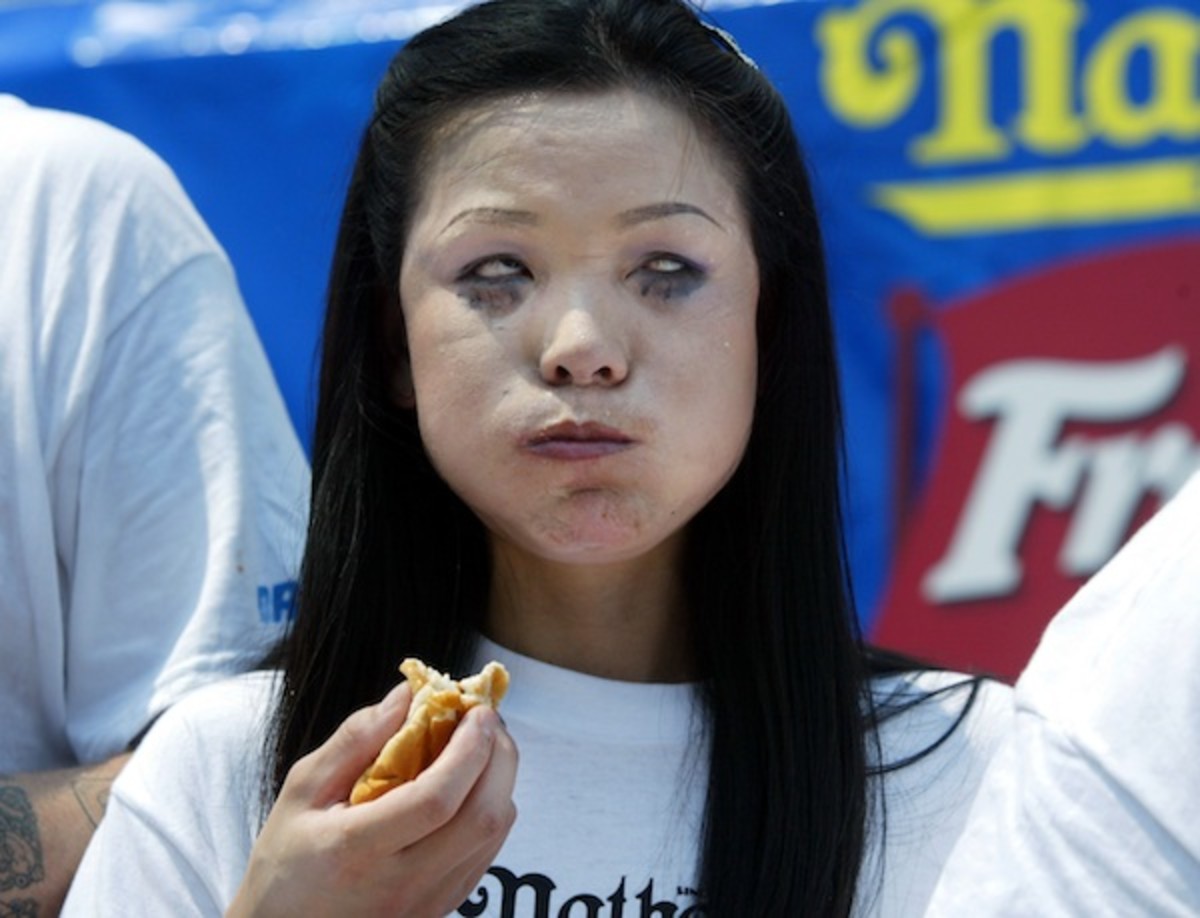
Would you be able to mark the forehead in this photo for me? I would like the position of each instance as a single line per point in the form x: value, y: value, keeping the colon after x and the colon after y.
x: 615, y: 145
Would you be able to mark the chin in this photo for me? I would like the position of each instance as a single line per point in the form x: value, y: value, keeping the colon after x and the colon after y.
x: 591, y: 529
x: 594, y: 553
x: 593, y: 545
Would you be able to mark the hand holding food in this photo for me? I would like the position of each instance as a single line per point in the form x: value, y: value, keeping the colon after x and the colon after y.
x: 419, y: 850
x: 438, y: 704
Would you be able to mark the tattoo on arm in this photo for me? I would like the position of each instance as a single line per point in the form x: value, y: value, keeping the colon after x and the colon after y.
x: 21, y: 863
x: 92, y: 794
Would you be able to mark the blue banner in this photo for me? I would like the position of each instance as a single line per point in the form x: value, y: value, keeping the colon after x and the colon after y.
x: 1011, y: 197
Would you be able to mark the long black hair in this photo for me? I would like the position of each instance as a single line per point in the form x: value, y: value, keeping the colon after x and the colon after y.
x: 396, y: 565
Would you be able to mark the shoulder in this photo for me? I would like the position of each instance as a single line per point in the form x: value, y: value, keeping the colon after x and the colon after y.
x: 123, y: 196
x: 1111, y: 691
x: 59, y: 142
x: 938, y: 732
x: 204, y: 756
x: 1093, y: 805
x: 213, y: 736
x: 937, y: 735
x: 1126, y: 641
x: 185, y: 810
x: 928, y: 711
x: 228, y: 707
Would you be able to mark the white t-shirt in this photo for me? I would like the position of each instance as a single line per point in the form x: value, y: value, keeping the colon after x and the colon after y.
x: 152, y: 488
x: 1093, y: 808
x: 610, y: 791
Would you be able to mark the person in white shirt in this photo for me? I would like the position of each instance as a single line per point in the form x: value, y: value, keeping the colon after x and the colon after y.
x: 578, y: 411
x: 153, y: 492
x: 1092, y: 806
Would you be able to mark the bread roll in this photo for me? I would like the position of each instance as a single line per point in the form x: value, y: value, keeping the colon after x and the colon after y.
x: 438, y: 704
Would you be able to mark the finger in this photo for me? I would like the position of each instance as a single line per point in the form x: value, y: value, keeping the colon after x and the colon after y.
x: 450, y: 862
x: 327, y: 774
x: 408, y: 813
x: 466, y: 880
x: 482, y: 822
x: 473, y: 871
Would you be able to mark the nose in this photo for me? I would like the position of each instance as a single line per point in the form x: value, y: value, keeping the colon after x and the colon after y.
x: 582, y: 347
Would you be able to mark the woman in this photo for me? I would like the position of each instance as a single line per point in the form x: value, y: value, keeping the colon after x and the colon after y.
x: 578, y: 411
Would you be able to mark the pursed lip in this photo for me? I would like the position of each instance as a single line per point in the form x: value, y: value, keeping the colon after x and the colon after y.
x: 577, y: 440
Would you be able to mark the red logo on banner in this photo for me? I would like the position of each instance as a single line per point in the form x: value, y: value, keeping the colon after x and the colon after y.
x: 1073, y: 413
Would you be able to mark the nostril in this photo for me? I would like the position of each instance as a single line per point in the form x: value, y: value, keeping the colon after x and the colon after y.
x: 605, y: 374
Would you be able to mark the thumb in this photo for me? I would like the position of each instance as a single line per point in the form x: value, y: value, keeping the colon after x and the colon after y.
x: 327, y: 774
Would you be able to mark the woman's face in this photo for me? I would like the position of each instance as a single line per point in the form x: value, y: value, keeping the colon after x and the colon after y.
x: 579, y: 293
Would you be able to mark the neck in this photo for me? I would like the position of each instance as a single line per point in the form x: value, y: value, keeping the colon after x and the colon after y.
x: 624, y: 620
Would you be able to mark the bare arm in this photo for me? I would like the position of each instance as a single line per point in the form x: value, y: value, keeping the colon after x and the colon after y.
x: 46, y: 821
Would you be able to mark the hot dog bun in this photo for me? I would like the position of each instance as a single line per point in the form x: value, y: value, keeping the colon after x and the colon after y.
x: 438, y: 704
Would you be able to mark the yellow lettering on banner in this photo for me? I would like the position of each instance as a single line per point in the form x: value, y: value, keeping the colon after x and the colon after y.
x: 965, y: 31
x: 1172, y: 42
x: 1047, y: 123
x: 1028, y: 200
x: 873, y: 66
x: 863, y: 95
x: 1046, y: 30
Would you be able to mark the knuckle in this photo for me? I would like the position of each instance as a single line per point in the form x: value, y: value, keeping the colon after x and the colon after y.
x: 353, y: 730
x: 436, y: 808
x: 298, y: 779
x: 493, y: 822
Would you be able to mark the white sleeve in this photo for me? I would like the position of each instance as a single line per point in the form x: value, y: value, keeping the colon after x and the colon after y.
x: 182, y: 816
x: 153, y: 492
x: 134, y: 868
x: 1093, y: 806
x: 189, y: 512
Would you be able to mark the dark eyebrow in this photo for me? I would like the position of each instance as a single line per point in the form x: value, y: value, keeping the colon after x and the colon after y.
x: 502, y: 216
x: 658, y: 211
